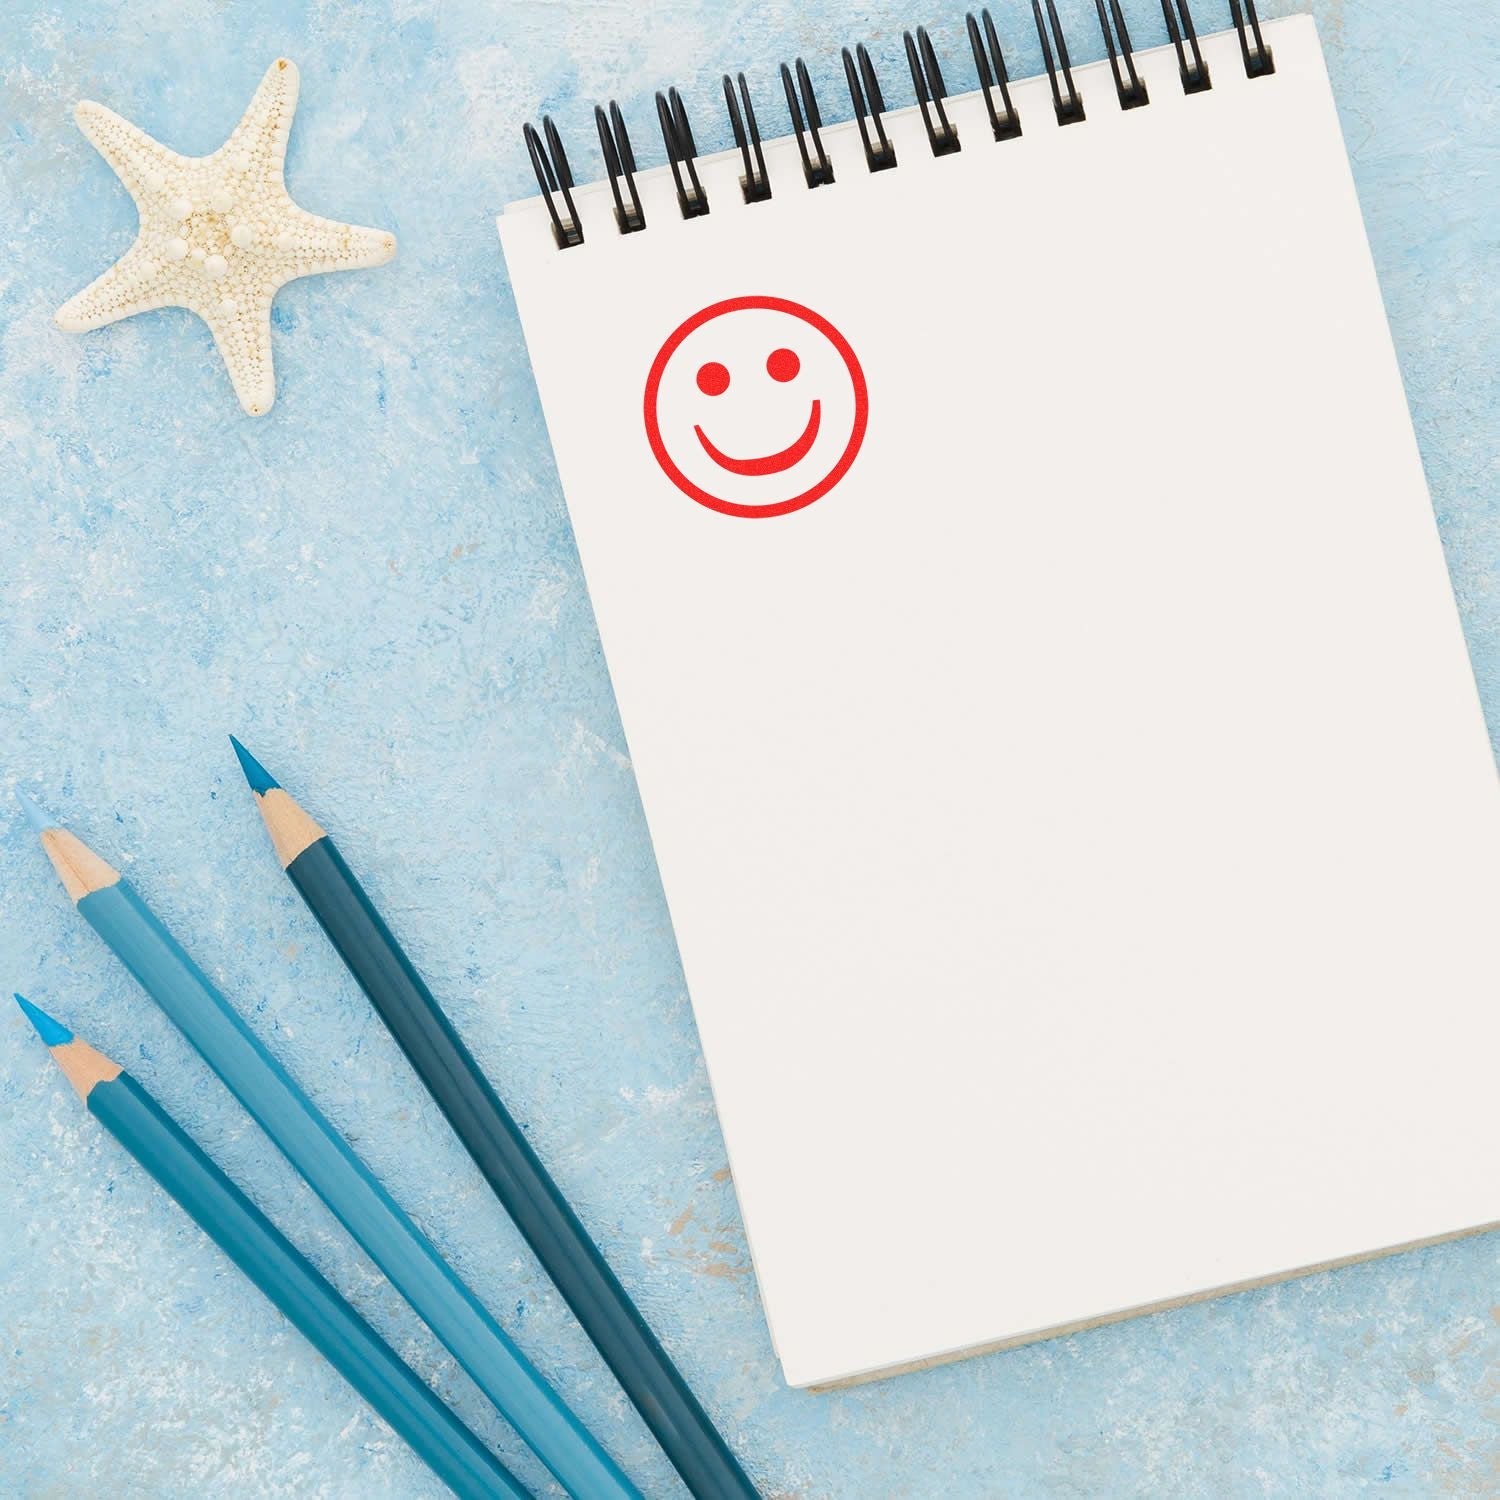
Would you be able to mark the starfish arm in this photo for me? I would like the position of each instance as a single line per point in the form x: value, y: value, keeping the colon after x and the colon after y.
x: 245, y: 345
x: 326, y: 245
x: 138, y: 160
x: 128, y: 287
x: 268, y: 116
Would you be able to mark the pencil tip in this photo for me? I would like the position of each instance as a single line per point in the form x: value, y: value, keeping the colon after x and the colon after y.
x: 261, y: 781
x: 38, y: 817
x: 53, y: 1033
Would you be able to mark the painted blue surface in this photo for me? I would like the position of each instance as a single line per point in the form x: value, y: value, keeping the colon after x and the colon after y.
x: 382, y: 568
x: 52, y: 1032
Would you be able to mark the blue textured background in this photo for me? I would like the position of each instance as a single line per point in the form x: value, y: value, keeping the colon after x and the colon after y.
x: 377, y: 588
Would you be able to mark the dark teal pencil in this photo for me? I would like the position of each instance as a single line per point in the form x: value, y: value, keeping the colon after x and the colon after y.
x: 270, y: 1260
x: 495, y: 1141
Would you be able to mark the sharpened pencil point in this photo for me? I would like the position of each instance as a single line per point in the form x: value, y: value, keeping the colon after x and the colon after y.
x: 53, y: 1033
x: 83, y: 1066
x: 38, y: 817
x: 261, y: 781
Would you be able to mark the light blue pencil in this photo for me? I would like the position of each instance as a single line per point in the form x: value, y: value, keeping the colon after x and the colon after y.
x: 114, y: 910
x: 264, y: 1254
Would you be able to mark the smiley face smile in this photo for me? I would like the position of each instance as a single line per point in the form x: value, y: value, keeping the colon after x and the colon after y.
x: 772, y: 463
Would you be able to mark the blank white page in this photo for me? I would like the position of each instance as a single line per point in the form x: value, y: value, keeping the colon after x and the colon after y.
x: 1077, y: 819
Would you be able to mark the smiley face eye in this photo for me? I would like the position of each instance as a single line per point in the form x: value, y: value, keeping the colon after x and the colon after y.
x: 782, y: 365
x: 713, y: 378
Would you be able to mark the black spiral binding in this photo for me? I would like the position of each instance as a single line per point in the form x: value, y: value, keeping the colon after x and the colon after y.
x: 755, y: 184
x: 819, y: 172
x: 869, y: 106
x: 927, y: 80
x: 555, y: 178
x: 682, y: 154
x: 1258, y: 59
x: 619, y: 161
x: 1069, y: 110
x: 1128, y: 86
x: 550, y: 163
x: 1195, y: 75
x: 989, y: 63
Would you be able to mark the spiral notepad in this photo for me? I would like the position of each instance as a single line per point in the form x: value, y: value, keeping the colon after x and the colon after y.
x: 1034, y: 646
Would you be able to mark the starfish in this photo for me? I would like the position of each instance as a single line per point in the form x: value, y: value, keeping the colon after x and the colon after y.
x: 219, y: 234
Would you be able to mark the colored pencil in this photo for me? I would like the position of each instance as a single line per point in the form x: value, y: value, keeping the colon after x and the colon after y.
x: 265, y: 1255
x: 118, y: 914
x: 496, y: 1143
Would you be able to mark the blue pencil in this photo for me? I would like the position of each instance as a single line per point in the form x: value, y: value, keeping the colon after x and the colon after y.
x: 264, y: 1254
x: 114, y: 910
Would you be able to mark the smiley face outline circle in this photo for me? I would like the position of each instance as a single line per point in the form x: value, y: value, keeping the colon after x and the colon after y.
x: 767, y: 304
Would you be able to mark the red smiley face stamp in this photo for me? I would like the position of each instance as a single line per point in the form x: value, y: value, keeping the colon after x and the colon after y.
x: 756, y: 406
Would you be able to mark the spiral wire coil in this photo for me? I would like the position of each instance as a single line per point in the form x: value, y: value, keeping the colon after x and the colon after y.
x: 555, y: 177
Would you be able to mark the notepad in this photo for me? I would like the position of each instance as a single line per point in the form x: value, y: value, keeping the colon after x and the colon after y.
x: 1047, y: 696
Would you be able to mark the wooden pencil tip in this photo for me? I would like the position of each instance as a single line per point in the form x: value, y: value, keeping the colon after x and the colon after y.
x: 290, y: 828
x: 52, y: 1032
x: 38, y: 817
x: 83, y: 1066
x: 81, y: 871
x: 261, y: 781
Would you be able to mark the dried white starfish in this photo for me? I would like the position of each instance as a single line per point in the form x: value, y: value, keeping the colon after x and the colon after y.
x: 219, y: 234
